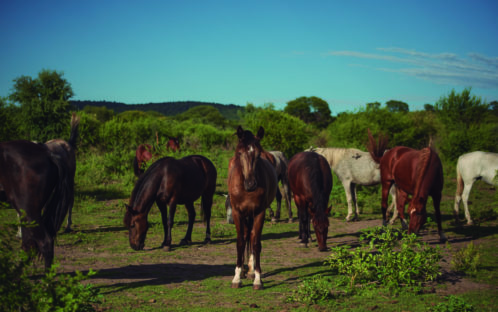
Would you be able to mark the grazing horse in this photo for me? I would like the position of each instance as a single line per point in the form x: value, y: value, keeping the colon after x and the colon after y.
x: 353, y: 167
x: 66, y: 151
x: 173, y: 144
x: 417, y: 174
x: 171, y: 182
x: 311, y: 183
x: 252, y: 186
x: 143, y: 154
x: 39, y: 184
x: 471, y: 167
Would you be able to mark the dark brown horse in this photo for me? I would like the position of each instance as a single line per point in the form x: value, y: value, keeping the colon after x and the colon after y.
x: 171, y: 182
x: 417, y: 174
x: 143, y: 154
x: 252, y: 185
x: 310, y: 180
x: 39, y: 184
x: 67, y: 152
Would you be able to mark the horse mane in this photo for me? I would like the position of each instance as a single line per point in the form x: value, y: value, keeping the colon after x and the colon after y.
x: 139, y: 185
x: 377, y: 150
x: 421, y: 169
x: 57, y: 206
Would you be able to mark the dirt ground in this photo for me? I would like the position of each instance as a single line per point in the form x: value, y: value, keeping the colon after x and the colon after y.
x: 198, y: 261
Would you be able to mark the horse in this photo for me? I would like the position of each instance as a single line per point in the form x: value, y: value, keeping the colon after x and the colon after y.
x: 173, y: 144
x: 417, y: 174
x: 281, y: 164
x: 353, y: 167
x: 471, y: 167
x: 143, y: 154
x: 171, y: 182
x: 39, y: 184
x: 311, y: 181
x: 252, y: 186
x: 67, y: 152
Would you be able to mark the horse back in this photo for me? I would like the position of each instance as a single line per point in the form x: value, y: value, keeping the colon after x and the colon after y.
x: 477, y: 165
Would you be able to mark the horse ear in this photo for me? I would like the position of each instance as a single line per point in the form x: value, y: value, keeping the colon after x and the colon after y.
x: 261, y: 133
x: 240, y: 132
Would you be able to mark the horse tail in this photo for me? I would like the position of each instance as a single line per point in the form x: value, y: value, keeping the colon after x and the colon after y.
x: 58, y: 204
x: 376, y: 150
x: 460, y: 184
x: 75, y: 122
x: 423, y: 164
x: 320, y: 200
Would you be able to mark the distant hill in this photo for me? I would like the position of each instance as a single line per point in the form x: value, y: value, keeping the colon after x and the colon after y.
x: 166, y: 108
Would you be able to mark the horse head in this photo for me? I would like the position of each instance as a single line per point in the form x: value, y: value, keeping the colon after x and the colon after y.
x: 173, y: 144
x: 248, y: 152
x: 137, y: 225
x: 418, y: 214
x: 321, y: 226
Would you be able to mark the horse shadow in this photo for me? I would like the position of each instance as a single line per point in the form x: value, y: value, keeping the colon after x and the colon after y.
x: 134, y: 276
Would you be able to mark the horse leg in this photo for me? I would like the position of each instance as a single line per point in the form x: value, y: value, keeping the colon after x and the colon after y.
x: 279, y: 204
x: 349, y: 198
x: 401, y: 198
x: 206, y: 205
x: 241, y: 242
x: 171, y: 220
x: 465, y: 198
x: 69, y: 220
x: 249, y: 250
x: 257, y: 228
x: 393, y: 206
x: 355, y: 202
x: 436, y: 199
x: 191, y: 218
x: 163, y: 208
x: 386, y: 186
x: 287, y: 197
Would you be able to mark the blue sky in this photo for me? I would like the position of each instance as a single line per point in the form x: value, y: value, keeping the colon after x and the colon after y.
x: 348, y: 53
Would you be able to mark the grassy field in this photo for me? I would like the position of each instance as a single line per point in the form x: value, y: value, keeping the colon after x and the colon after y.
x: 198, y: 276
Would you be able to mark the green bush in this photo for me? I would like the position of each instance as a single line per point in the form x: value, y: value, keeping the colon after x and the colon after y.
x: 22, y: 290
x: 454, y: 304
x: 467, y: 259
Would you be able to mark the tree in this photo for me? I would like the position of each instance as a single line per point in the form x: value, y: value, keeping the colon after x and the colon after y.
x: 456, y: 109
x: 373, y: 106
x: 204, y: 114
x: 312, y: 110
x: 428, y: 107
x: 397, y: 106
x: 44, y: 104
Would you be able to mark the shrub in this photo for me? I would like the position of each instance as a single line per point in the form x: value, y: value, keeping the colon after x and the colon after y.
x: 454, y: 304
x: 467, y: 259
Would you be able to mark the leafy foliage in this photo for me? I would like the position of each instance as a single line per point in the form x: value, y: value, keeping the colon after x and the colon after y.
x: 454, y: 304
x: 467, y: 259
x: 20, y: 291
x: 311, y: 110
x: 393, y: 263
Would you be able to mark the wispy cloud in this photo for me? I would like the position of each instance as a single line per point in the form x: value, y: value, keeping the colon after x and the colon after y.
x: 475, y: 70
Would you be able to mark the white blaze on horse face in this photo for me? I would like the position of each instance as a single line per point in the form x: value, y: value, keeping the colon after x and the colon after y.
x: 236, y: 278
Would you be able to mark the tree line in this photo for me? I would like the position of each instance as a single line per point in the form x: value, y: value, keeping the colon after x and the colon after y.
x: 39, y: 108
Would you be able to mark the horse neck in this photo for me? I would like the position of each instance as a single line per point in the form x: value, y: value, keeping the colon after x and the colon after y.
x: 332, y: 154
x: 424, y: 161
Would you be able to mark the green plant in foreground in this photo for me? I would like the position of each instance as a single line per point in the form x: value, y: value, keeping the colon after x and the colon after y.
x: 386, y: 261
x: 314, y: 289
x: 22, y: 290
x: 467, y: 259
x: 454, y: 304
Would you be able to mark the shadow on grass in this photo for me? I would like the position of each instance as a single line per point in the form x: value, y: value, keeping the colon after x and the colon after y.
x: 102, y: 194
x: 134, y: 276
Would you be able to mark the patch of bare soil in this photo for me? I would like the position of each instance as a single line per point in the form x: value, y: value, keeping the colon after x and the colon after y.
x: 198, y: 261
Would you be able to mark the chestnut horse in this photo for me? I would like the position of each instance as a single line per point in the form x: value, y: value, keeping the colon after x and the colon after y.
x: 143, y: 154
x: 417, y: 174
x: 172, y: 182
x: 310, y: 180
x: 252, y: 186
x: 173, y: 144
x: 38, y: 183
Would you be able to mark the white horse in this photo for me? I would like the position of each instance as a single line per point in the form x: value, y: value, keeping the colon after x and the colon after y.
x: 471, y: 167
x: 353, y: 167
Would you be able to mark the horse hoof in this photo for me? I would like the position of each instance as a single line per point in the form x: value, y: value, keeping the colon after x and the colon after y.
x: 166, y: 247
x: 68, y: 230
x: 257, y: 287
x: 274, y: 220
x: 305, y: 245
x: 184, y: 242
x: 207, y: 241
x: 291, y: 220
x: 236, y: 285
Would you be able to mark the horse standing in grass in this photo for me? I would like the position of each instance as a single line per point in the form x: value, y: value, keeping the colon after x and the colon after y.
x: 173, y: 144
x: 143, y: 154
x: 417, y: 174
x: 470, y: 168
x: 310, y: 180
x: 39, y: 184
x: 353, y: 167
x: 172, y: 182
x: 252, y: 186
